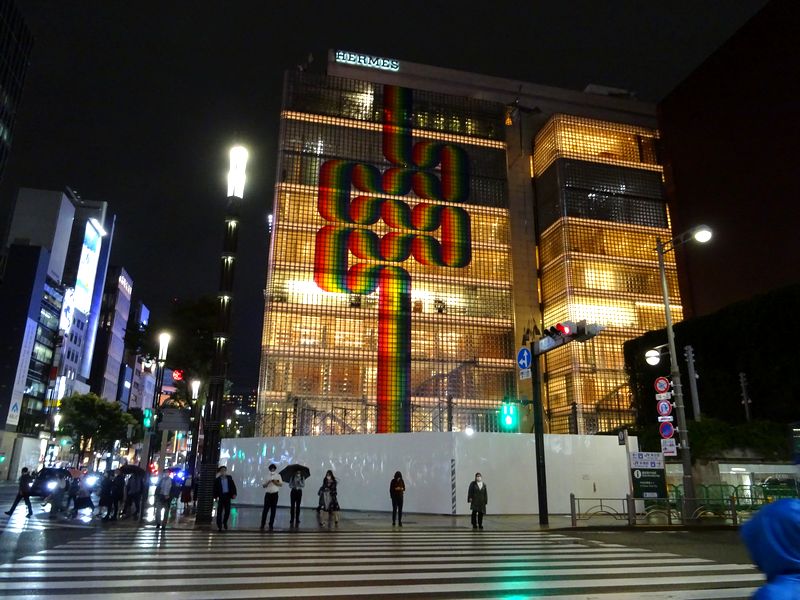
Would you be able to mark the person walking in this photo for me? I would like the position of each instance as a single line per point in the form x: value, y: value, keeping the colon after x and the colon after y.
x: 328, y: 499
x: 478, y: 498
x: 105, y: 495
x: 23, y: 492
x: 297, y: 484
x: 117, y: 495
x: 72, y: 491
x: 272, y: 485
x: 397, y: 488
x: 186, y: 495
x: 224, y: 492
x: 83, y: 498
x: 133, y: 494
x: 57, y: 497
x: 163, y: 498
x: 772, y: 537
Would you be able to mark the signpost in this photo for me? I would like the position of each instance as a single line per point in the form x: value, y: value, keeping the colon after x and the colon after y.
x: 524, y: 361
x: 661, y: 384
x: 666, y: 430
x: 669, y: 447
x: 647, y: 472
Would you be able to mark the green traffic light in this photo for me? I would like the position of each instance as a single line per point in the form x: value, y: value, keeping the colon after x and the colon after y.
x: 509, y: 416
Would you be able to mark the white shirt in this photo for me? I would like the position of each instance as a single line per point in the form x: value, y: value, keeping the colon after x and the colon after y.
x: 273, y: 483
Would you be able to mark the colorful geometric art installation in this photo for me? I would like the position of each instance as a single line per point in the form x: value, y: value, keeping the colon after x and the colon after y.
x: 352, y: 197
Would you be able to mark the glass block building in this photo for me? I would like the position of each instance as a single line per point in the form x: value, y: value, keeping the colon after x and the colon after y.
x: 388, y: 303
x: 426, y: 223
x: 599, y: 208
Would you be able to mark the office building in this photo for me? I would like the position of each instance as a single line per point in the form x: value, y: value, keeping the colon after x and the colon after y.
x: 15, y: 48
x: 410, y: 206
x: 109, y: 351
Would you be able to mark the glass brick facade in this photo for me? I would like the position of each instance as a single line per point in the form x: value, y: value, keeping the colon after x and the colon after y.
x: 599, y: 208
x: 388, y: 302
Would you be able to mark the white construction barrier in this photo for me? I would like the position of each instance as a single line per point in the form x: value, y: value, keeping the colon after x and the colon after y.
x: 437, y: 469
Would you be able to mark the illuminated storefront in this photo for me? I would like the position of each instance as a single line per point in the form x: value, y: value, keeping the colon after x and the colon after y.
x: 388, y: 301
x: 599, y: 209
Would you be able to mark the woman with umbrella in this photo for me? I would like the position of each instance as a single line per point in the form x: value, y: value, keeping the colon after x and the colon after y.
x: 327, y: 499
x: 295, y: 476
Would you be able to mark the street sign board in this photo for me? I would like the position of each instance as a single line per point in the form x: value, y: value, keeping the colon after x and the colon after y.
x: 667, y: 430
x: 647, y: 460
x: 649, y: 483
x: 664, y: 407
x: 666, y: 419
x: 661, y: 384
x: 524, y: 358
x: 524, y: 374
x: 669, y: 447
x: 664, y: 396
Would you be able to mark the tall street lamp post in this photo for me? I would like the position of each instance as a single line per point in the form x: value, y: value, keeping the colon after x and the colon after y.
x: 147, y: 448
x: 702, y: 234
x: 216, y: 385
x: 197, y: 408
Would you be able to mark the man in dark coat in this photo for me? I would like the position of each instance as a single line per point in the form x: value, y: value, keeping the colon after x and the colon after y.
x: 117, y: 494
x: 23, y: 492
x: 224, y: 492
x: 478, y: 498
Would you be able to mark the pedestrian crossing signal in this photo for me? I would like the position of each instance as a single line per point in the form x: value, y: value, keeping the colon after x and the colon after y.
x: 148, y: 418
x: 509, y: 416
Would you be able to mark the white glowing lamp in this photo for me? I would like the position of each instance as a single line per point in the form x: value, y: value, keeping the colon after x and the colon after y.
x: 163, y: 345
x: 236, y: 175
x: 195, y: 388
x: 702, y: 233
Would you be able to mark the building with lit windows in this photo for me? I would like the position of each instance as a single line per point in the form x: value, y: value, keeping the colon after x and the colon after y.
x: 410, y: 206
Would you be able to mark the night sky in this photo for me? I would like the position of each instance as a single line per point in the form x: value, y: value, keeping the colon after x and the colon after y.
x: 136, y: 103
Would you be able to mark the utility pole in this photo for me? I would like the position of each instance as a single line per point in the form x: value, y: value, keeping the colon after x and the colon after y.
x: 693, y: 376
x: 745, y: 397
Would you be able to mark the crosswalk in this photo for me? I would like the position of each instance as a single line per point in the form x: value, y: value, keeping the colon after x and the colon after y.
x: 139, y: 564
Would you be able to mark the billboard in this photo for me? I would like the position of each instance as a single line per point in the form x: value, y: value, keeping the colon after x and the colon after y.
x: 87, y: 269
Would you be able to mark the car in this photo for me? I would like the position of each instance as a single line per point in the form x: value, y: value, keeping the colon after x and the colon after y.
x: 44, y: 481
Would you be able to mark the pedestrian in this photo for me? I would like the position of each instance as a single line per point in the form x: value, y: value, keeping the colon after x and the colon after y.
x: 772, y: 537
x: 478, y: 498
x: 163, y: 499
x: 105, y: 494
x: 57, y: 497
x: 224, y: 492
x: 186, y: 494
x: 397, y: 488
x: 117, y: 495
x: 83, y: 499
x: 272, y: 485
x: 297, y: 484
x: 133, y: 495
x: 72, y: 491
x: 23, y: 492
x: 328, y: 500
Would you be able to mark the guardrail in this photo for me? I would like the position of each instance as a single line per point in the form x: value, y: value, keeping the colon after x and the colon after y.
x: 662, y: 511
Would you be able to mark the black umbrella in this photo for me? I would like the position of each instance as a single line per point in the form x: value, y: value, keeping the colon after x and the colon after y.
x: 131, y: 470
x: 288, y: 472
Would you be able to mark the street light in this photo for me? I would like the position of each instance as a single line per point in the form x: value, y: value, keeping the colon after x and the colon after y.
x: 56, y: 422
x: 216, y: 385
x: 702, y: 234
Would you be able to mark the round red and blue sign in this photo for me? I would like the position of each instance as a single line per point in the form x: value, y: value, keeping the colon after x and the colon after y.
x: 667, y: 430
x: 664, y: 408
x: 661, y: 384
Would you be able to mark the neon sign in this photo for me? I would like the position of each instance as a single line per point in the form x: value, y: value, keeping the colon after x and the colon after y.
x: 365, y: 60
x: 412, y: 233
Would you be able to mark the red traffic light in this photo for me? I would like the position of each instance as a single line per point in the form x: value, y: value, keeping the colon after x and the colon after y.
x: 565, y: 328
x: 177, y: 375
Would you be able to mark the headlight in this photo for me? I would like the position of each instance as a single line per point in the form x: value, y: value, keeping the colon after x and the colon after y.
x: 51, y: 485
x: 91, y: 480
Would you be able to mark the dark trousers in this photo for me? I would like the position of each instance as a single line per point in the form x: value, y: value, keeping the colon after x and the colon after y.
x: 294, y: 512
x: 477, y: 518
x: 113, y: 510
x: 270, y: 506
x: 131, y: 500
x: 223, y: 510
x: 397, y: 508
x: 16, y: 501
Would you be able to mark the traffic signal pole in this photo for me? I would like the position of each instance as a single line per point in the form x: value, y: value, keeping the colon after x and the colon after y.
x: 538, y: 432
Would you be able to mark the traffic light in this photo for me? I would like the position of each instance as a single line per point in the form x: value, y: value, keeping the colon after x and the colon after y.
x: 586, y: 331
x: 509, y: 416
x: 147, y: 422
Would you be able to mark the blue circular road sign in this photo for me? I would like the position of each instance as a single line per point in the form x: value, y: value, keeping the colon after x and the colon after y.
x: 667, y: 430
x: 524, y: 358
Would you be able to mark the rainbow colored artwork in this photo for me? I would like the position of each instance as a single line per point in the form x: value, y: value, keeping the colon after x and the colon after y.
x: 352, y: 196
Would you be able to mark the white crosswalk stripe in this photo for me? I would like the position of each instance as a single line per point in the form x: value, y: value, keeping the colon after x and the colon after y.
x: 190, y: 564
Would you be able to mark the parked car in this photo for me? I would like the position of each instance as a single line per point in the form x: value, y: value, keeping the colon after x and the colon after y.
x: 44, y: 481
